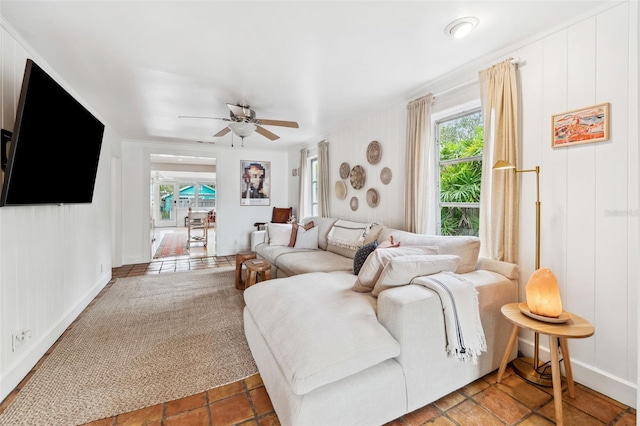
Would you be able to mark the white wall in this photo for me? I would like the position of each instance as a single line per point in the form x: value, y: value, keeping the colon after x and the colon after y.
x: 234, y: 222
x: 53, y: 259
x: 349, y: 144
x: 589, y: 193
x: 592, y: 251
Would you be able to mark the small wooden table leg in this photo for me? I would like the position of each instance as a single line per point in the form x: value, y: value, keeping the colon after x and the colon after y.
x: 507, y: 352
x: 557, y: 382
x: 240, y: 259
x: 564, y: 345
x: 251, y: 279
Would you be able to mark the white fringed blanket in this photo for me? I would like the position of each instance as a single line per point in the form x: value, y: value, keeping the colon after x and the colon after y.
x: 463, y: 328
x: 348, y: 234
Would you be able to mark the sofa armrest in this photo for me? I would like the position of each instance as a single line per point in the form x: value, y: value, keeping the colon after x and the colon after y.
x: 509, y: 270
x: 257, y: 237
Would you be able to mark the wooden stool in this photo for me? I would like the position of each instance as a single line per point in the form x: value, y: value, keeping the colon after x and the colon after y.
x: 240, y: 259
x: 258, y: 268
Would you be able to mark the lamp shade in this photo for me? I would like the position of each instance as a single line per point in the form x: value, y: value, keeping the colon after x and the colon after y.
x: 503, y: 165
x: 242, y: 129
x: 543, y: 294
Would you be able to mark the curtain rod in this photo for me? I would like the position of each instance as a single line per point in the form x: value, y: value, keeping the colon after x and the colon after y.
x: 515, y: 61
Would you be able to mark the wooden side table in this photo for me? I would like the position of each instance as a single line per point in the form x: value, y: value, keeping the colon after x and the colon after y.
x: 240, y: 259
x: 575, y: 327
x: 258, y: 268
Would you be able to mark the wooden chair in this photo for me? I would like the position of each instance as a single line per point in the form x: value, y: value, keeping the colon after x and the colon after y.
x: 278, y: 215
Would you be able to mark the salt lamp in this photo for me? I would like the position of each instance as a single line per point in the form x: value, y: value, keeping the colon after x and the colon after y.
x: 543, y: 295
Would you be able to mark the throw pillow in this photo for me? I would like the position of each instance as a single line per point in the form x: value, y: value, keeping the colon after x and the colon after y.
x: 377, y: 260
x: 279, y: 233
x: 389, y: 243
x: 401, y: 270
x: 307, y: 238
x: 362, y: 254
x: 294, y: 232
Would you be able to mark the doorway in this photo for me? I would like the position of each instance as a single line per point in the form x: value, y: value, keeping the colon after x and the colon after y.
x: 177, y: 184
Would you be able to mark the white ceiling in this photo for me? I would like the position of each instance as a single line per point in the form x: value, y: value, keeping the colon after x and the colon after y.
x: 142, y: 64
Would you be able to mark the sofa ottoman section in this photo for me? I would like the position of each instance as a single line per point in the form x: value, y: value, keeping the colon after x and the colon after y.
x: 372, y: 396
x: 318, y: 329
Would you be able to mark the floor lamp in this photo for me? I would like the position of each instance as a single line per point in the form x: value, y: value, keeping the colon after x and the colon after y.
x: 528, y: 368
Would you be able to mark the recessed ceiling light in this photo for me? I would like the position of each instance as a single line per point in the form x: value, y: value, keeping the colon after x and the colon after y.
x: 461, y: 27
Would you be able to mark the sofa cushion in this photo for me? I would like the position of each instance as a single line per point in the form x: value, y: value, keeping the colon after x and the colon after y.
x: 401, y: 270
x: 466, y: 247
x: 375, y: 263
x: 299, y: 261
x: 339, y: 337
x: 324, y: 225
x: 362, y: 254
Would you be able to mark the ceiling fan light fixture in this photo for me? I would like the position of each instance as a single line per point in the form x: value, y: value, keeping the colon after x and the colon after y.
x: 242, y: 129
x: 461, y: 27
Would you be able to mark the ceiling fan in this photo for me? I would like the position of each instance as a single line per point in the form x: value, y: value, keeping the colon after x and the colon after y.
x: 243, y: 122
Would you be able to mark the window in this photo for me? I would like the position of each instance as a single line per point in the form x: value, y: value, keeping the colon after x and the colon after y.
x: 313, y: 174
x: 460, y: 141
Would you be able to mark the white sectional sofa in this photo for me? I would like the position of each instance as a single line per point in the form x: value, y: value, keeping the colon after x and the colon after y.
x: 330, y: 355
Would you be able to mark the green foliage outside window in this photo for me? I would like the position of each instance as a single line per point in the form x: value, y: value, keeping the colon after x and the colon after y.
x: 460, y: 138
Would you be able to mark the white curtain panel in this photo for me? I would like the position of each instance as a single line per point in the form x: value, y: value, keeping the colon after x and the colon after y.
x: 302, y: 179
x: 498, y: 192
x: 419, y: 141
x: 323, y: 178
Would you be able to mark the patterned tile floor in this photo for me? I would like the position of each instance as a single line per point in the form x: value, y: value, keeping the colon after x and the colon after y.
x: 482, y: 403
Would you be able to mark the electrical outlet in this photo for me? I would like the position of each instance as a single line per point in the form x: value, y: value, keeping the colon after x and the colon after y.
x: 18, y: 337
x: 101, y: 268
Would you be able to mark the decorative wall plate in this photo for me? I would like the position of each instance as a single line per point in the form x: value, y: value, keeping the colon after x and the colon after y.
x: 357, y: 177
x: 341, y: 190
x: 344, y: 170
x: 373, y: 198
x: 374, y: 152
x: 385, y: 175
x: 353, y: 203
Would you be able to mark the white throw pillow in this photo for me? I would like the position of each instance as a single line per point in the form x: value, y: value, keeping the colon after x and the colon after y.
x: 401, y: 270
x: 279, y: 233
x: 307, y: 239
x: 376, y: 261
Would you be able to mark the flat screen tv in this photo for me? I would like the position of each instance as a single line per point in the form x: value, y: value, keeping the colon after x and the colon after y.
x: 55, y: 146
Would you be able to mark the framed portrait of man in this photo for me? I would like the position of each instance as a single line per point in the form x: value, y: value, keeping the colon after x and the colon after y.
x: 255, y: 183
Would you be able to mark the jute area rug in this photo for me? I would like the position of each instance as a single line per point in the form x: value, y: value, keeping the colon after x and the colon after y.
x: 172, y: 244
x: 147, y: 340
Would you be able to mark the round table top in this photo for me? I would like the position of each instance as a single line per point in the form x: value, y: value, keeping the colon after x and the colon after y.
x: 575, y: 327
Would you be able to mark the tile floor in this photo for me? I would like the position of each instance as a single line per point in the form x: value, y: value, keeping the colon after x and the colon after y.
x: 482, y: 403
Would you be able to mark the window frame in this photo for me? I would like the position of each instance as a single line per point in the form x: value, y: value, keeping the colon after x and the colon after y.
x: 445, y: 116
x: 313, y: 183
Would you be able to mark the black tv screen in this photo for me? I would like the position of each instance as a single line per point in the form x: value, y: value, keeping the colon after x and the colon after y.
x: 55, y: 146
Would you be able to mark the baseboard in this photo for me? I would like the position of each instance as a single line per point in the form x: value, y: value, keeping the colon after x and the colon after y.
x: 592, y: 377
x: 21, y: 368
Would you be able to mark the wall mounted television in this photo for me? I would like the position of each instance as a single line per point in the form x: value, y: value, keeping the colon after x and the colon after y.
x: 55, y: 146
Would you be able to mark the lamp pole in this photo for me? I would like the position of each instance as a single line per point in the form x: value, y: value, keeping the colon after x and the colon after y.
x: 526, y: 367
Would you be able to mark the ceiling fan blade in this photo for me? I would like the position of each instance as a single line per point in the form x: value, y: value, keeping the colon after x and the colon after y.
x: 279, y: 123
x: 222, y: 132
x: 208, y: 118
x: 267, y: 134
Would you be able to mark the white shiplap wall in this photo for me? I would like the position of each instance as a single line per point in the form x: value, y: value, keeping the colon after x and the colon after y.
x: 349, y: 144
x: 593, y: 253
x: 53, y: 259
